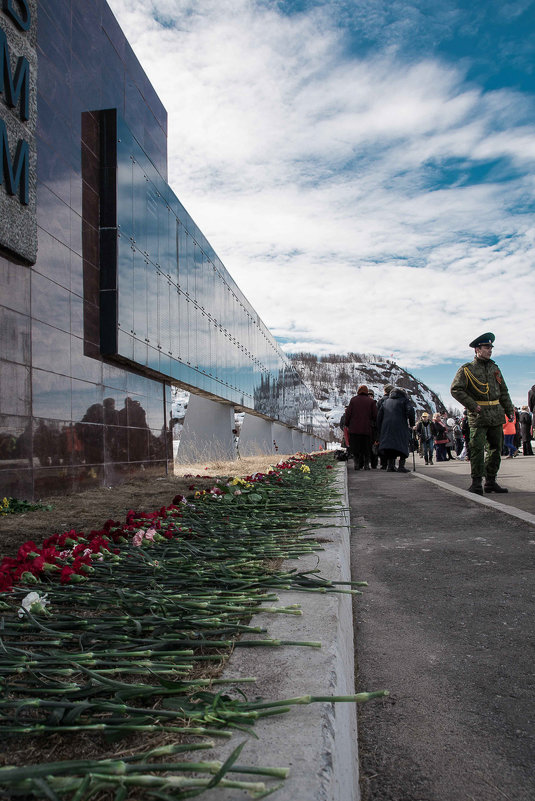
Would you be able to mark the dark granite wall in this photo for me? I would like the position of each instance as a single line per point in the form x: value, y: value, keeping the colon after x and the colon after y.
x: 18, y: 120
x: 68, y: 419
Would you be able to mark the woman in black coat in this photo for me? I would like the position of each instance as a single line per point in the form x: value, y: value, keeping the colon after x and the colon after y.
x: 394, y: 422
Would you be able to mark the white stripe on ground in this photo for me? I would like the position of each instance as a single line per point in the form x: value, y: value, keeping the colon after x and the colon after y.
x: 500, y: 507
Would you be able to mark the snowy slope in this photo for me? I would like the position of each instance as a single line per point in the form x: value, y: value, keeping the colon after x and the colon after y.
x: 335, y: 379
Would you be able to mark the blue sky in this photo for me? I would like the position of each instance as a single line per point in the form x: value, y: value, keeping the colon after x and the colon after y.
x: 365, y: 170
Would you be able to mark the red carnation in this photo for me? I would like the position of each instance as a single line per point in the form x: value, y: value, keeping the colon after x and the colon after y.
x: 38, y: 564
x: 69, y: 576
x: 6, y: 582
x: 27, y: 548
x: 25, y: 567
x: 7, y: 564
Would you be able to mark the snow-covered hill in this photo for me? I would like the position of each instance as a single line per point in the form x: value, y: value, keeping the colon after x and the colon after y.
x: 335, y: 379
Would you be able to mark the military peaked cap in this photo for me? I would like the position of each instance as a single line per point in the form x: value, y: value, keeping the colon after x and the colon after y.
x: 484, y: 339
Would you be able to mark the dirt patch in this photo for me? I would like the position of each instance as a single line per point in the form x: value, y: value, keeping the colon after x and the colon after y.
x: 90, y: 509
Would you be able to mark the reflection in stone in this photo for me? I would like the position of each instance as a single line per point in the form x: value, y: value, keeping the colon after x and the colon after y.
x: 8, y: 447
x: 71, y: 446
x: 46, y: 446
x: 104, y: 436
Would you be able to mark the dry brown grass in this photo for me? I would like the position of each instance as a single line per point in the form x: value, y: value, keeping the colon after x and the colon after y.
x: 237, y: 467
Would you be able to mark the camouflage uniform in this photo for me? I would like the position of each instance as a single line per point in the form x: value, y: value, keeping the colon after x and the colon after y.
x: 480, y: 383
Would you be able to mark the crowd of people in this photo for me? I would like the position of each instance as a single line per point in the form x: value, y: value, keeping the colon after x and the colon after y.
x: 448, y: 438
x: 490, y: 427
x: 379, y: 433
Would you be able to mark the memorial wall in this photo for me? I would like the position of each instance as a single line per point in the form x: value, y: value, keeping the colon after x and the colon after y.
x: 109, y: 292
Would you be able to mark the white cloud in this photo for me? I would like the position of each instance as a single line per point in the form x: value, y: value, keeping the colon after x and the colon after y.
x: 340, y: 192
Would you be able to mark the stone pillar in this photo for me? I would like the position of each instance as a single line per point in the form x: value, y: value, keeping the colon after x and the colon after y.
x: 256, y: 436
x: 207, y: 432
x: 282, y: 435
x: 298, y: 441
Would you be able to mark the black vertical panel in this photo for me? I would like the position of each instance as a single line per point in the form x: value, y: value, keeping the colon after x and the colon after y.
x: 108, y: 168
x: 108, y: 231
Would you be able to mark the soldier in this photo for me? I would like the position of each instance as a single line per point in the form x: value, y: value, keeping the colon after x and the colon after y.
x: 480, y: 387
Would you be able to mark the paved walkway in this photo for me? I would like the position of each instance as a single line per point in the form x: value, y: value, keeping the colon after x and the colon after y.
x: 447, y: 625
x: 517, y: 474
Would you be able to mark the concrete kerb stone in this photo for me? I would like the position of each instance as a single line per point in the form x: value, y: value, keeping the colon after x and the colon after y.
x: 500, y: 507
x: 318, y: 742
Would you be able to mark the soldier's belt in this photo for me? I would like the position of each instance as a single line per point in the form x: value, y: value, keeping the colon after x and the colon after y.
x: 488, y: 403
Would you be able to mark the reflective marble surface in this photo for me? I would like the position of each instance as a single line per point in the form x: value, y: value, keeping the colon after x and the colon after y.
x: 65, y: 414
x: 69, y: 416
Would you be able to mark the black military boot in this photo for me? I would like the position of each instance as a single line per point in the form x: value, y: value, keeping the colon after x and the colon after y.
x: 492, y: 486
x: 402, y: 468
x: 391, y: 467
x: 476, y: 486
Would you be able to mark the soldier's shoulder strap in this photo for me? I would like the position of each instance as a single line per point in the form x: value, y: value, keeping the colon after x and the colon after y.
x: 481, y: 387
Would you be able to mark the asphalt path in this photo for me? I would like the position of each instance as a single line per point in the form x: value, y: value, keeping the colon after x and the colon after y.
x: 517, y: 474
x: 447, y: 625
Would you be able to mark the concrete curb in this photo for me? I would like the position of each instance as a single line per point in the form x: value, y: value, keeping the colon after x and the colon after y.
x: 527, y: 517
x: 317, y: 742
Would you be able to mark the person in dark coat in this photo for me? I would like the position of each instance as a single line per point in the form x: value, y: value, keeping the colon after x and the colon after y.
x: 531, y: 399
x: 374, y: 461
x: 361, y: 415
x: 395, y: 420
x: 387, y: 389
x: 526, y: 431
x: 441, y: 437
x: 465, y: 429
x: 345, y: 436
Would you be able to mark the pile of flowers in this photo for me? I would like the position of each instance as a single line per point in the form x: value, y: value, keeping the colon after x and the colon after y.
x: 249, y: 489
x: 69, y: 558
x: 122, y: 654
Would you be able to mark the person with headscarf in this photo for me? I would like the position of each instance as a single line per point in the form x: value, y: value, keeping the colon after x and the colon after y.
x: 441, y: 437
x: 395, y: 420
x: 425, y: 431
